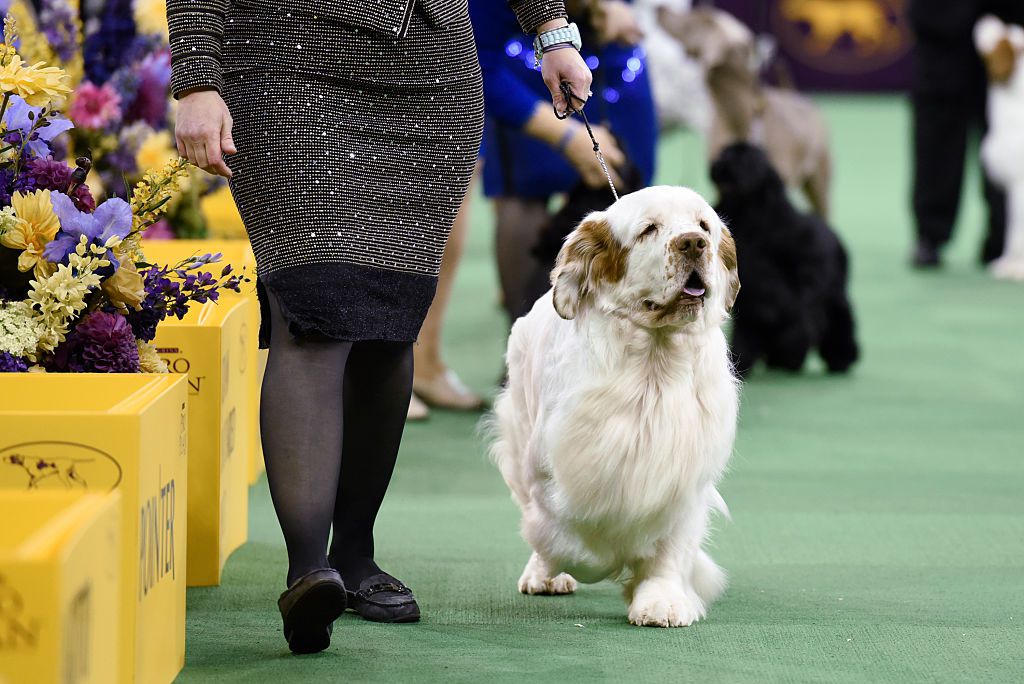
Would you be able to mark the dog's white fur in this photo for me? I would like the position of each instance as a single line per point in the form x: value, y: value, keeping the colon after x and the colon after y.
x: 1002, y: 150
x: 616, y: 424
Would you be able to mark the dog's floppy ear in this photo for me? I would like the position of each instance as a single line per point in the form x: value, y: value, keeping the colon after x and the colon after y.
x: 727, y: 253
x: 590, y: 255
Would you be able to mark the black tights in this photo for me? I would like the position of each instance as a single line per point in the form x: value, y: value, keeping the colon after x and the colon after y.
x: 331, y: 418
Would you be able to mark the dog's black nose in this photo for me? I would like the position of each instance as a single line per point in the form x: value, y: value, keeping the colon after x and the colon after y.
x: 691, y: 244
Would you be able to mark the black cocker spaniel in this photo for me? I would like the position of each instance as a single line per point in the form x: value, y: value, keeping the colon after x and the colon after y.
x: 793, y: 268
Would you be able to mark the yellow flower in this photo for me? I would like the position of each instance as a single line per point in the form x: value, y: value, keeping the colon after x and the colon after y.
x: 125, y: 289
x: 34, y: 227
x: 60, y: 298
x: 155, y: 152
x: 151, y: 16
x: 150, y: 194
x: 221, y: 215
x: 37, y: 84
x: 149, y: 360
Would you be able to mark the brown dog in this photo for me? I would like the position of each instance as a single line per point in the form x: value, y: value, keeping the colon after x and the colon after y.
x: 787, y: 125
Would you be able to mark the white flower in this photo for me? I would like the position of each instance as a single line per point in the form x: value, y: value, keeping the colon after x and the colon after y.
x: 19, y: 330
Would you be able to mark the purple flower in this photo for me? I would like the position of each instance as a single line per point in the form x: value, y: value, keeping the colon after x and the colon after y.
x: 6, y: 176
x: 57, y: 20
x: 106, y: 45
x: 102, y: 342
x: 51, y: 174
x: 12, y: 364
x: 159, y: 290
x: 112, y: 218
x: 161, y: 230
x: 20, y: 118
x: 150, y: 101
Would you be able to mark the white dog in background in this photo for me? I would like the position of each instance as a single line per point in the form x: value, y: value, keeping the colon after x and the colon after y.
x: 620, y: 410
x: 677, y: 81
x: 1002, y: 48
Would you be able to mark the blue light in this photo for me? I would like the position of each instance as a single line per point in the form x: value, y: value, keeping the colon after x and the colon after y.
x: 593, y: 62
x: 611, y: 95
x: 513, y: 48
x: 628, y: 76
x: 634, y: 64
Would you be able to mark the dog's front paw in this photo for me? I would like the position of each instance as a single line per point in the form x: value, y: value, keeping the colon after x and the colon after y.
x: 1006, y: 268
x: 537, y: 579
x: 534, y: 583
x: 654, y: 607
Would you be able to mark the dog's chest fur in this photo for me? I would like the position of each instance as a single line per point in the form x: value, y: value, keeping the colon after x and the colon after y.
x: 629, y: 447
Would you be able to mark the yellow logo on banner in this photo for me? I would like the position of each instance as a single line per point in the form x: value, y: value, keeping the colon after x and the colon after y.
x: 843, y: 36
x: 58, y: 465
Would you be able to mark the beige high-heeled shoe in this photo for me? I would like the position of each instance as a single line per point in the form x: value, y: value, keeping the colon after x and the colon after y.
x: 417, y: 410
x: 446, y: 391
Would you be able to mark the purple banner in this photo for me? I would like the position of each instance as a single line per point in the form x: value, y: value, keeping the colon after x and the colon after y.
x: 835, y: 44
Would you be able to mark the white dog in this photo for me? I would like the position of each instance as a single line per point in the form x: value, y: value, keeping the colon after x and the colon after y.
x: 1002, y: 151
x: 620, y: 411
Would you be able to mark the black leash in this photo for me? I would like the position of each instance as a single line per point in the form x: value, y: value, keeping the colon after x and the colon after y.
x: 570, y: 109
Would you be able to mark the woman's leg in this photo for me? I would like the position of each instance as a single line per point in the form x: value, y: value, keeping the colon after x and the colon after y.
x: 429, y: 363
x: 301, y: 424
x: 519, y: 222
x: 433, y: 382
x: 378, y: 384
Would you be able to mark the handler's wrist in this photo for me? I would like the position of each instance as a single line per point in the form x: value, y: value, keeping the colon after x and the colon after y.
x: 563, y: 36
x: 563, y: 142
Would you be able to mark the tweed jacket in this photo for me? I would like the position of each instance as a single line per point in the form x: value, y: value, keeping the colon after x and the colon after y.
x: 211, y: 37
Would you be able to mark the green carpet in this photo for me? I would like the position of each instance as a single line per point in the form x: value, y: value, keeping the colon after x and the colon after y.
x: 878, y: 531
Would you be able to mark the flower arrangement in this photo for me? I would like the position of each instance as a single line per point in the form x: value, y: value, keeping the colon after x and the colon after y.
x: 76, y: 294
x: 122, y: 109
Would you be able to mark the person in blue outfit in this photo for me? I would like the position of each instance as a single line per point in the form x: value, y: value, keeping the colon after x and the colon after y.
x: 529, y: 154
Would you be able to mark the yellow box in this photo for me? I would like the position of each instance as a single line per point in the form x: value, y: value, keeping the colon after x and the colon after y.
x: 209, y: 346
x: 59, y: 577
x: 96, y: 433
x: 239, y: 254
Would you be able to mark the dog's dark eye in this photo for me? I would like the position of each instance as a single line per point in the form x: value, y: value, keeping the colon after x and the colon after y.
x: 704, y: 226
x: 649, y: 230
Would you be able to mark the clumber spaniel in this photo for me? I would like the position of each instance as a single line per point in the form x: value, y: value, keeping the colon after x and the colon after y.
x: 620, y: 410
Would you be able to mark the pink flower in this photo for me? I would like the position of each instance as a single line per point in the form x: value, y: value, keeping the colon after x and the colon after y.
x: 94, y: 106
x: 161, y: 230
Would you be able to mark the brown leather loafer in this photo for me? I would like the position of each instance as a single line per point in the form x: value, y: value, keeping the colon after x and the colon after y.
x: 309, y: 608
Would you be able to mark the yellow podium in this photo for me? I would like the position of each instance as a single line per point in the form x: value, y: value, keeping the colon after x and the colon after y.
x: 239, y: 254
x: 59, y: 578
x: 96, y: 433
x: 210, y: 347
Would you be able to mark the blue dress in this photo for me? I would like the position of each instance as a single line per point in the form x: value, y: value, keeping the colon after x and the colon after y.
x: 516, y: 164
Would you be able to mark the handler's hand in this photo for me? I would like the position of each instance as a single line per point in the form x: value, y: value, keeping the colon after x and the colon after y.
x: 203, y: 131
x: 567, y: 66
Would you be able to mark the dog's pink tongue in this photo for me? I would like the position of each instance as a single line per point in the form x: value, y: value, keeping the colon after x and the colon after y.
x: 694, y: 291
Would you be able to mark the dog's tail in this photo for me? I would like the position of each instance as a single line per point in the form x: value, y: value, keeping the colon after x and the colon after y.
x: 716, y: 502
x: 709, y: 580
